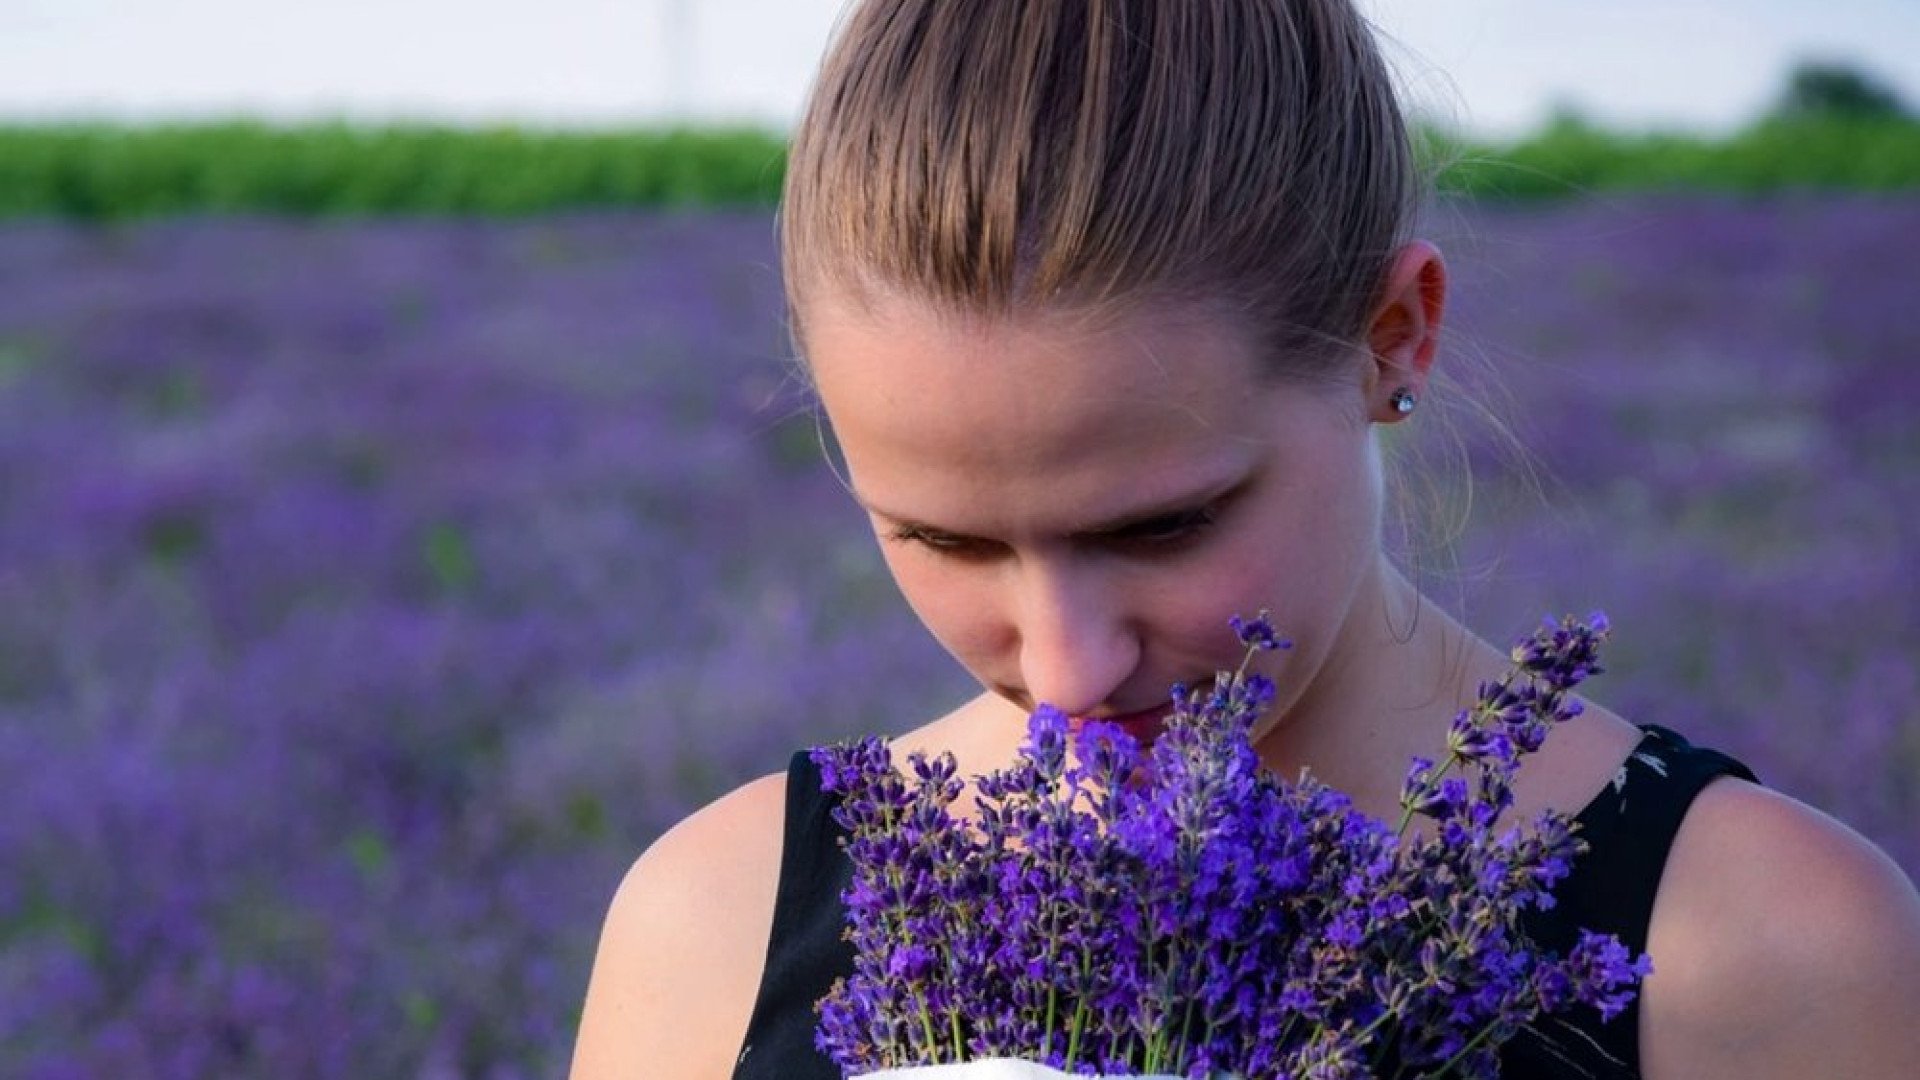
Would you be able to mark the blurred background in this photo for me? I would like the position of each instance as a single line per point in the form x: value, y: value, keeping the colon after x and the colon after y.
x: 409, y: 508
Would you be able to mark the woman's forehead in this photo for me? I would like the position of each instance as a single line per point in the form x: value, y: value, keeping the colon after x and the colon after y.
x: 974, y: 382
x: 1140, y: 344
x: 940, y: 414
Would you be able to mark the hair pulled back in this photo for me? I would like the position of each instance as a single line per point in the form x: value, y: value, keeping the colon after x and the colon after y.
x: 1008, y: 155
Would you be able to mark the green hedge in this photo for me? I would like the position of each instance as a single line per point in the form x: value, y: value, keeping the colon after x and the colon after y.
x: 1780, y: 154
x: 106, y: 172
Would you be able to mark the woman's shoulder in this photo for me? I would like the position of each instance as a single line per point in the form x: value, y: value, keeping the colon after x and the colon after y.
x: 1784, y: 944
x: 684, y: 941
x: 729, y: 847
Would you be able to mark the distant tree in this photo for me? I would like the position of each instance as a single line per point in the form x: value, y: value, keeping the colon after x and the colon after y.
x: 1834, y: 88
x: 1565, y: 116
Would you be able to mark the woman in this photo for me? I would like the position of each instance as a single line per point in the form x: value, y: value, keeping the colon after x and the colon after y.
x: 1106, y: 303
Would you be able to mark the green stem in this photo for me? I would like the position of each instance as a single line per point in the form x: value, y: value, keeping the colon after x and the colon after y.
x: 926, y: 1024
x: 1465, y: 1050
x: 1183, y: 1048
x: 1079, y: 1012
x: 1375, y: 1026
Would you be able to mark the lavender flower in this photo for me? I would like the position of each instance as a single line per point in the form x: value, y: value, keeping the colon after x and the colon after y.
x: 1185, y: 912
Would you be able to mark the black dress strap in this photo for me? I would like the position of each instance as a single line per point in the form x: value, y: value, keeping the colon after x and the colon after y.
x: 805, y: 952
x: 1629, y: 829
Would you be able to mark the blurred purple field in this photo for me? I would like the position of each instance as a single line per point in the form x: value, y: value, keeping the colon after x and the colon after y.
x: 372, y: 592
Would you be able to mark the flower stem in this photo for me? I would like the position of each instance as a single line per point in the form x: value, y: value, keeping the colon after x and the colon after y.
x: 1465, y: 1050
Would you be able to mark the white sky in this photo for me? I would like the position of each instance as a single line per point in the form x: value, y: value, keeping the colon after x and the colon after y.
x: 1496, y: 65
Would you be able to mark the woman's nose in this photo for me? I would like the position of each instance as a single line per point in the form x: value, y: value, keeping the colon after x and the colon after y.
x: 1076, y: 644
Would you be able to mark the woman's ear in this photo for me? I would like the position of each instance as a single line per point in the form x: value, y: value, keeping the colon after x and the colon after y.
x: 1404, y: 333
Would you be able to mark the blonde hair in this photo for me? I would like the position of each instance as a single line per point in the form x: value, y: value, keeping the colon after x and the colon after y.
x: 1007, y: 155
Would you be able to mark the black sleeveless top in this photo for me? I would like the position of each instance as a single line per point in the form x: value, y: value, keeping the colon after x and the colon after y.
x: 1629, y: 828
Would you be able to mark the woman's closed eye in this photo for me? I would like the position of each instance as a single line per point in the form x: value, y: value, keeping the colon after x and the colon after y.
x: 1164, y: 533
x: 1166, y: 530
x: 941, y: 542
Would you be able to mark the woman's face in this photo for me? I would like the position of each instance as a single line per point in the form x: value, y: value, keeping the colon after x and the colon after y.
x: 1075, y: 510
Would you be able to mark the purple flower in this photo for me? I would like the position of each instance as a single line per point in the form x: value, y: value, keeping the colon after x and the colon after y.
x: 1258, y: 632
x: 1187, y: 912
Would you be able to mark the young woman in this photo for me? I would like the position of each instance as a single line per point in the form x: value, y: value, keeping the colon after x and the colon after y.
x: 1106, y: 302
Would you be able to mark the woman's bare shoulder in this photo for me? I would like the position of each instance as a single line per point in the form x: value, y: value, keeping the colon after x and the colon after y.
x: 683, y: 946
x: 685, y: 940
x: 1784, y: 944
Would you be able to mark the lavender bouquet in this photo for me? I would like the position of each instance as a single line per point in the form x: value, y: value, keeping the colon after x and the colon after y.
x: 1181, y: 911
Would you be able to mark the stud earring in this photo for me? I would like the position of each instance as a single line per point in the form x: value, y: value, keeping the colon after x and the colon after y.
x: 1402, y: 401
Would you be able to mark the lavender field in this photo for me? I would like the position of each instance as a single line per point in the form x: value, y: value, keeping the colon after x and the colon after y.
x: 372, y: 592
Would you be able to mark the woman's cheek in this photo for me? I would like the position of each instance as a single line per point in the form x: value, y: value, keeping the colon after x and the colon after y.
x: 953, y: 604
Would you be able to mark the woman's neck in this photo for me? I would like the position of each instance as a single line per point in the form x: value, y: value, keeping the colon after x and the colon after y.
x: 1399, y: 671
